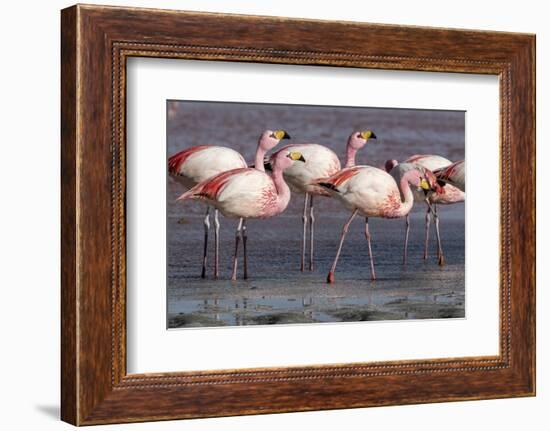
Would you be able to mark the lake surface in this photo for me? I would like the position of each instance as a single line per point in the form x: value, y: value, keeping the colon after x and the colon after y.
x: 277, y: 292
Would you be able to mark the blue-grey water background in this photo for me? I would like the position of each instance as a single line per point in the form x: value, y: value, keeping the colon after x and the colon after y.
x: 276, y: 291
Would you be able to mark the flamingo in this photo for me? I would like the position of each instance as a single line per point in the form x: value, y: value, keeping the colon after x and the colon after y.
x: 196, y: 164
x: 445, y: 195
x: 453, y: 175
x: 431, y: 162
x: 371, y: 192
x: 397, y: 170
x: 247, y: 193
x: 321, y: 162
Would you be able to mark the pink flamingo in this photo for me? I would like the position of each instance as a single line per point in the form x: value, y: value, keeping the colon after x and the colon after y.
x: 397, y: 170
x: 196, y: 164
x: 444, y: 194
x: 321, y: 162
x: 371, y: 192
x: 247, y: 193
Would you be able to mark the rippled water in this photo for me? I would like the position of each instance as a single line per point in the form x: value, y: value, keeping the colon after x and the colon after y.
x: 276, y: 291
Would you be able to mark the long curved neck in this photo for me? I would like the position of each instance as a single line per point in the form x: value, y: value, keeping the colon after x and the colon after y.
x: 259, y: 158
x: 350, y: 156
x: 406, y: 192
x: 354, y: 144
x: 283, y: 192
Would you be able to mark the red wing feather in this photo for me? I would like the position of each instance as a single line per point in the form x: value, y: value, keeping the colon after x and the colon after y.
x: 446, y: 172
x: 342, y: 176
x: 336, y: 179
x: 210, y: 188
x: 176, y: 161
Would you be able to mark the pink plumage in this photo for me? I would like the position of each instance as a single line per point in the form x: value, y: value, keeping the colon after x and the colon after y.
x: 416, y: 158
x: 322, y: 162
x: 446, y: 172
x: 454, y: 174
x: 433, y: 167
x: 210, y: 188
x: 339, y: 177
x: 372, y: 192
x: 197, y: 164
x: 176, y: 161
x: 247, y: 193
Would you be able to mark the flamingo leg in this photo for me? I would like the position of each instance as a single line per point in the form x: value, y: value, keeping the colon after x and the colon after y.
x: 440, y: 257
x: 311, y: 225
x: 427, y: 232
x: 206, y: 223
x: 304, y: 234
x: 367, y: 236
x: 217, y: 244
x: 330, y: 277
x: 237, y: 239
x: 245, y: 259
x: 405, y: 246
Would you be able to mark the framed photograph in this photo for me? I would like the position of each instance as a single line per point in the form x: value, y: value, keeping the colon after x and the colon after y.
x: 285, y: 213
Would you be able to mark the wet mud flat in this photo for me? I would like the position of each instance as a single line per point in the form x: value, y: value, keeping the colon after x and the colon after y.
x: 278, y: 293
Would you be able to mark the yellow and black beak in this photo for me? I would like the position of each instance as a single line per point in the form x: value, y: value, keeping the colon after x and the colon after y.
x: 424, y: 185
x: 368, y: 134
x: 281, y: 134
x: 296, y: 156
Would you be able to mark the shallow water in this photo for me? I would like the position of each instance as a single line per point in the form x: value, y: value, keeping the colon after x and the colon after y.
x: 276, y: 291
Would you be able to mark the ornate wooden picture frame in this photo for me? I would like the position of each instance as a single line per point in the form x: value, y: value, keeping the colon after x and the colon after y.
x: 96, y: 41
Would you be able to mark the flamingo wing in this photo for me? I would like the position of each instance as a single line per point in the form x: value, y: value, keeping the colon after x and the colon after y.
x: 211, y: 188
x: 321, y: 162
x: 452, y: 174
x: 176, y: 161
x: 428, y: 161
x: 338, y: 179
x: 415, y: 158
x: 447, y: 172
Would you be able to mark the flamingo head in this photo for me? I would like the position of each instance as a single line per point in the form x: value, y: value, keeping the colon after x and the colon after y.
x: 431, y: 181
x: 296, y: 156
x: 416, y: 178
x: 269, y: 139
x: 283, y: 159
x: 390, y: 164
x: 358, y: 139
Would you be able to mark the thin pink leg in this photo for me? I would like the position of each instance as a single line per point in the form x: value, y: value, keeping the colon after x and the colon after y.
x: 216, y: 244
x: 330, y: 277
x: 245, y: 259
x: 304, y: 234
x: 440, y: 257
x: 237, y: 239
x: 311, y: 225
x: 406, y: 245
x: 206, y: 223
x: 367, y: 236
x: 427, y: 232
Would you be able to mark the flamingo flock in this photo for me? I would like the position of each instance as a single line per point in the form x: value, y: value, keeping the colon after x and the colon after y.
x: 202, y: 162
x: 220, y: 178
x: 322, y: 162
